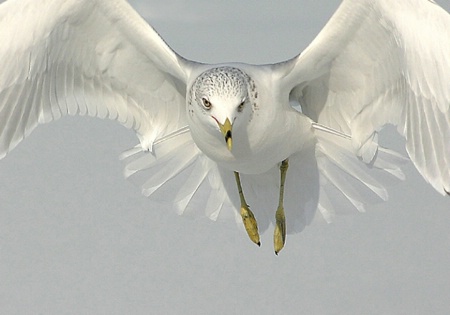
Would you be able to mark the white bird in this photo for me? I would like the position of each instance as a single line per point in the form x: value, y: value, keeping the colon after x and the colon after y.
x: 213, y: 137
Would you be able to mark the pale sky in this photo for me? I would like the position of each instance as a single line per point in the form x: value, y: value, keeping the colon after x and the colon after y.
x: 75, y: 237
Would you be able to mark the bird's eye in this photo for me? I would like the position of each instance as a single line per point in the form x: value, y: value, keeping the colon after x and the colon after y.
x: 241, y: 106
x: 206, y: 103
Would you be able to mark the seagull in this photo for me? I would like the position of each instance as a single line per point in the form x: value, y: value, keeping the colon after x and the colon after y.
x: 219, y: 140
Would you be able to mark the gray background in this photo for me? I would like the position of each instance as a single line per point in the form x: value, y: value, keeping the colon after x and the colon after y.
x: 77, y: 238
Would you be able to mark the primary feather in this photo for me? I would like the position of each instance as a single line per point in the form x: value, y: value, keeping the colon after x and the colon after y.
x: 97, y: 58
x: 382, y: 62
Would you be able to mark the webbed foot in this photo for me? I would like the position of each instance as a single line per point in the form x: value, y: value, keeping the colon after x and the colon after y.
x: 279, y: 234
x: 250, y: 224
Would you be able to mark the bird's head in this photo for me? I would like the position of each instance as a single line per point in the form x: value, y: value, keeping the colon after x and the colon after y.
x: 221, y: 101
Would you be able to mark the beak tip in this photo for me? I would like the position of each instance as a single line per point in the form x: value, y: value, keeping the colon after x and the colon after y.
x: 229, y: 140
x: 229, y: 144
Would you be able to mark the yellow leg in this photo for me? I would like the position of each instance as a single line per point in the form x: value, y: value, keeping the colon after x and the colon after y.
x: 279, y: 234
x: 247, y: 216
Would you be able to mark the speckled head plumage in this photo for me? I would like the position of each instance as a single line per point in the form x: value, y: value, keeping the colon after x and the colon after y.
x: 221, y: 97
x: 230, y: 82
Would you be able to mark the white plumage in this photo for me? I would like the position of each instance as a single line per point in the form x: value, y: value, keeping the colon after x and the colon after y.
x: 374, y: 63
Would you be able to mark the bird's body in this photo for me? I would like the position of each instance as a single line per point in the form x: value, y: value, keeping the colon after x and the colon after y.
x: 375, y: 63
x: 255, y: 136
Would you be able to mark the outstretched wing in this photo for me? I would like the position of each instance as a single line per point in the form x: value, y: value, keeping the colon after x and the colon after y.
x: 92, y: 57
x: 381, y: 62
x: 100, y: 58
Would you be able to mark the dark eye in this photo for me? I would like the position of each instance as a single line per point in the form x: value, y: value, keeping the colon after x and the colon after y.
x: 241, y: 106
x: 206, y: 103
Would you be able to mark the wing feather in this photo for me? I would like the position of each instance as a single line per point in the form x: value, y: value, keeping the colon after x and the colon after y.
x: 381, y: 62
x: 96, y: 58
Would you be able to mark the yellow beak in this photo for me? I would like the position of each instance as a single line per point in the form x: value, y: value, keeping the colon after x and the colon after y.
x: 226, y: 131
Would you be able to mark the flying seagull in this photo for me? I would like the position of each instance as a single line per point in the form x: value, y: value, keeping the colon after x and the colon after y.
x: 288, y: 138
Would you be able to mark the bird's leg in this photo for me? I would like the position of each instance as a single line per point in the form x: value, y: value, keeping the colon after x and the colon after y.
x: 279, y: 235
x: 247, y: 216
